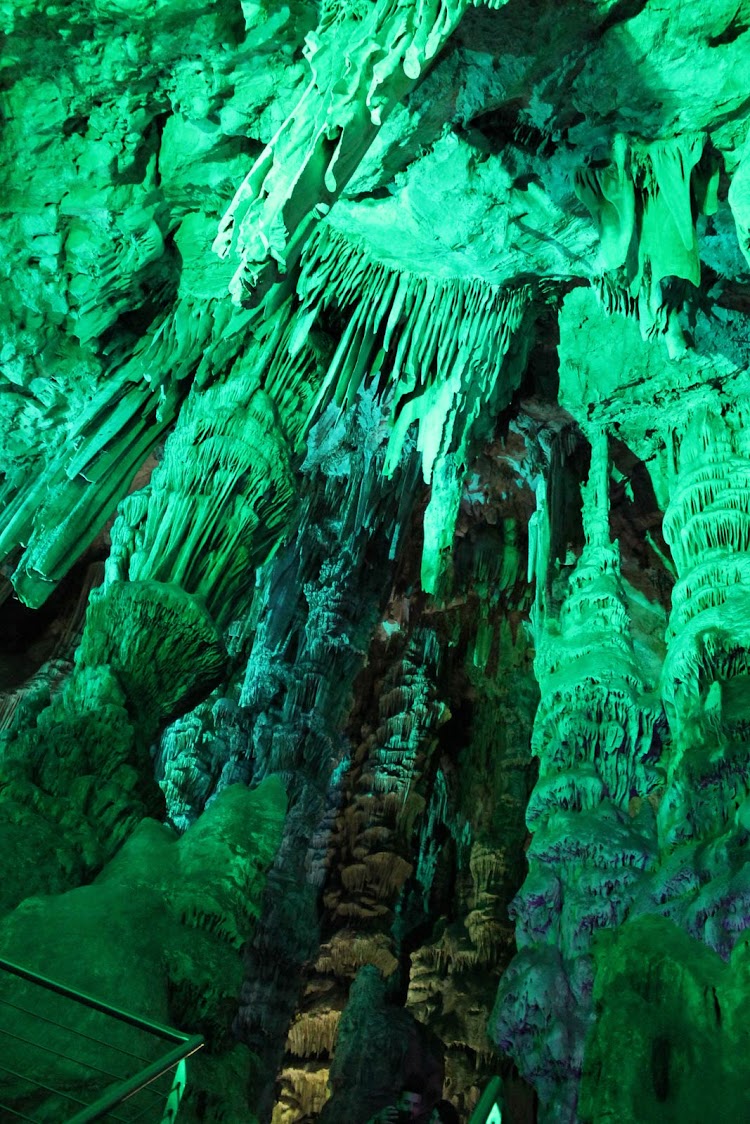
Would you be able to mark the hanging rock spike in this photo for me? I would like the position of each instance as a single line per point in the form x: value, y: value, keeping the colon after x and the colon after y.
x: 448, y: 339
x: 360, y: 69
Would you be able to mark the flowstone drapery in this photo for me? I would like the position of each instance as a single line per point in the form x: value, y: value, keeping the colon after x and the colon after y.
x: 373, y: 395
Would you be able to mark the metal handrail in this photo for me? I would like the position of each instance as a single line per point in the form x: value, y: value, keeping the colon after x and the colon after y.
x: 186, y: 1045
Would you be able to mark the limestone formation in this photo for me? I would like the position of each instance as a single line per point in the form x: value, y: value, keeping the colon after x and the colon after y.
x: 373, y: 406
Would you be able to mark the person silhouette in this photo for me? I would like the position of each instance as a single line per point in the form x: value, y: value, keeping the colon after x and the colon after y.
x: 410, y: 1106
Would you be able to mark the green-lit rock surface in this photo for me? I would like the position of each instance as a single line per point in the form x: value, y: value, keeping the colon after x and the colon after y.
x: 158, y: 933
x: 674, y: 1022
x: 373, y: 411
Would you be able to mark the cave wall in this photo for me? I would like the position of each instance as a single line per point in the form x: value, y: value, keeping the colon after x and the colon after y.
x: 374, y: 522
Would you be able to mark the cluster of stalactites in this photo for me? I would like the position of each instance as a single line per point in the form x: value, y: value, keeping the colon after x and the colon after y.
x: 54, y: 513
x: 216, y: 503
x: 438, y: 344
x: 363, y: 58
x: 55, y: 509
x: 642, y: 203
x: 707, y: 526
x: 441, y: 342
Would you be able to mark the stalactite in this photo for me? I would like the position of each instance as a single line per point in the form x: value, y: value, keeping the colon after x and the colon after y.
x: 443, y: 332
x: 362, y: 60
x: 448, y: 341
x: 641, y: 203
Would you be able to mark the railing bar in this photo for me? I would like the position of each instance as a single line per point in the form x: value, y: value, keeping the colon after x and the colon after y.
x: 159, y: 1096
x: 15, y: 1112
x: 72, y: 1030
x: 65, y: 1057
x: 156, y: 1092
x: 138, y: 1082
x: 67, y: 1096
x: 41, y: 1085
x: 71, y: 993
x: 147, y: 1088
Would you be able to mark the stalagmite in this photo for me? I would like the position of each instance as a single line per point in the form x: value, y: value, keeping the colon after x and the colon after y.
x: 597, y: 738
x: 706, y: 668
